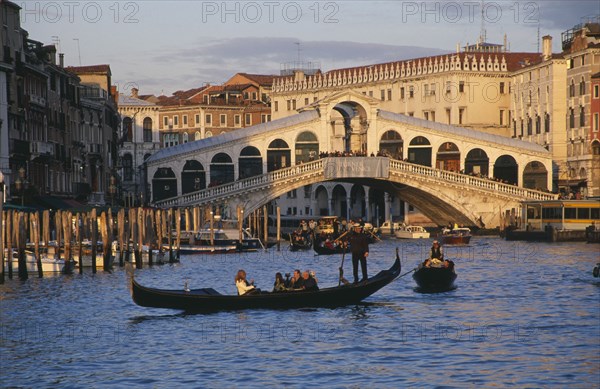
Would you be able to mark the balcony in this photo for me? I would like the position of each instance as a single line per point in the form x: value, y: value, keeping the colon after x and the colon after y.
x: 38, y: 100
x: 94, y: 148
x: 39, y: 148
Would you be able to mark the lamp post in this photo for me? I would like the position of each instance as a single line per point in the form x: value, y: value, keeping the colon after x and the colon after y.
x: 21, y: 184
x: 112, y: 189
x: 2, y: 228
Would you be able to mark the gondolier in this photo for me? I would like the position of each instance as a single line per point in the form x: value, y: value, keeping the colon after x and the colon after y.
x: 359, y: 245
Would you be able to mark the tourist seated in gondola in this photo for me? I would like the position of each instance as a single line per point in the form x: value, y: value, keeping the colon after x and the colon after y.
x: 297, y: 282
x: 310, y: 283
x: 243, y: 286
x: 279, y: 285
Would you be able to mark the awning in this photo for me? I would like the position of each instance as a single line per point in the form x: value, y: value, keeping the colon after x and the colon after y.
x: 571, y: 183
x: 53, y: 202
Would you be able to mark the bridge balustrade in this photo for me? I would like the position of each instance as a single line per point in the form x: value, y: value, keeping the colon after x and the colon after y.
x: 299, y: 172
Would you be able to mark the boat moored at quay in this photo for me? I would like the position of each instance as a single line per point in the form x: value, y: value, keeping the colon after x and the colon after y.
x: 557, y: 221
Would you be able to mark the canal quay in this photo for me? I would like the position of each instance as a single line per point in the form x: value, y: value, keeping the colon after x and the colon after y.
x: 523, y: 314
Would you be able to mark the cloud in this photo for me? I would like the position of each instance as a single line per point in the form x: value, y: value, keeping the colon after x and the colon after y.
x: 215, y: 61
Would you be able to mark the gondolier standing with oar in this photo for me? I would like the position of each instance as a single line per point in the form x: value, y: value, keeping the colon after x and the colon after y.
x: 359, y: 246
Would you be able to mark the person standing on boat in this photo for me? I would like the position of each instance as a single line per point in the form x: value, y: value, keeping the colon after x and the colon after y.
x: 359, y: 246
x: 243, y: 286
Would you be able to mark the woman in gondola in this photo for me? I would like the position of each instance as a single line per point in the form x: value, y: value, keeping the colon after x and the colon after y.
x: 243, y: 286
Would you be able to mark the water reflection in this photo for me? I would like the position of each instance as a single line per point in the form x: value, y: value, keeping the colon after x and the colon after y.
x: 519, y: 309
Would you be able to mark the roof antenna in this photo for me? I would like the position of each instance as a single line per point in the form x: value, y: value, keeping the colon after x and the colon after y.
x: 482, y: 33
x: 298, y: 44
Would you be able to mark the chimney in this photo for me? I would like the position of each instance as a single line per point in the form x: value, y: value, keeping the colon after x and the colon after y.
x: 546, y: 47
x: 134, y: 92
x: 61, y: 60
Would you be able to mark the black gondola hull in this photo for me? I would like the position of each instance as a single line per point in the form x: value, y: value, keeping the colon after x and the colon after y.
x: 208, y: 300
x: 432, y: 279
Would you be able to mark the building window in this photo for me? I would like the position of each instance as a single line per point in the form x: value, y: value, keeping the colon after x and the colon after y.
x: 596, y: 122
x: 572, y: 89
x: 185, y: 137
x: 289, y: 105
x: 514, y: 128
x: 276, y: 106
x: 306, y: 101
x: 208, y: 118
x: 197, y: 119
x: 237, y: 120
x: 571, y: 118
x: 461, y: 87
x: 461, y: 114
x: 294, y: 104
x: 411, y: 92
x: 547, y: 122
x: 426, y: 115
x: 448, y: 116
x: 147, y: 129
x: 185, y: 120
x: 501, y: 117
x: 382, y: 94
x: 432, y: 90
x: 538, y: 124
x: 223, y: 120
x: 582, y: 87
x: 248, y: 119
x: 208, y: 134
x: 502, y: 88
x: 389, y: 93
x: 264, y: 118
x: 581, y: 116
x: 127, y: 167
x: 402, y: 93
x: 197, y: 135
x: 529, y: 126
x: 176, y: 120
x: 165, y: 121
x: 254, y: 96
x: 596, y: 91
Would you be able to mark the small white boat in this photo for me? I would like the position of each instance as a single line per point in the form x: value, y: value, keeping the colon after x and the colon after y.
x: 411, y: 232
x: 49, y: 265
x: 386, y: 227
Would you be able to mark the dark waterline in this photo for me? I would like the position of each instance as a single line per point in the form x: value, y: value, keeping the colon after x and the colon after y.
x: 523, y: 315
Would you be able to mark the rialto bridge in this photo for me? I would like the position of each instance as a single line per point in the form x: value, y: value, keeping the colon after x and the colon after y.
x: 451, y: 174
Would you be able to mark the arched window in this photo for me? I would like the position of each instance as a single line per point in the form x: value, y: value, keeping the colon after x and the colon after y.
x: 197, y: 135
x: 128, y: 129
x: 185, y: 137
x: 147, y: 129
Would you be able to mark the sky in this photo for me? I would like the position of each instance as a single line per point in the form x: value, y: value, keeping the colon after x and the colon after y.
x: 161, y: 46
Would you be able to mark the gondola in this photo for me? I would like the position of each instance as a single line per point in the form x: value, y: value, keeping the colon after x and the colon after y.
x: 304, y: 244
x: 209, y: 300
x: 323, y: 250
x: 435, y: 279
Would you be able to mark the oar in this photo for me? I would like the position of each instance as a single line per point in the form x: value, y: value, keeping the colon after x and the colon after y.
x: 342, y: 267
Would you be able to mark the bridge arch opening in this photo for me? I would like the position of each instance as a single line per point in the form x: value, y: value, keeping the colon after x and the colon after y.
x: 477, y: 162
x: 392, y: 144
x: 506, y: 169
x: 448, y: 157
x: 278, y: 155
x: 250, y: 162
x: 357, y: 202
x: 419, y: 151
x: 350, y: 121
x: 339, y: 202
x: 221, y: 169
x: 193, y: 177
x: 164, y: 184
x: 535, y: 176
x: 307, y: 147
x: 322, y: 201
